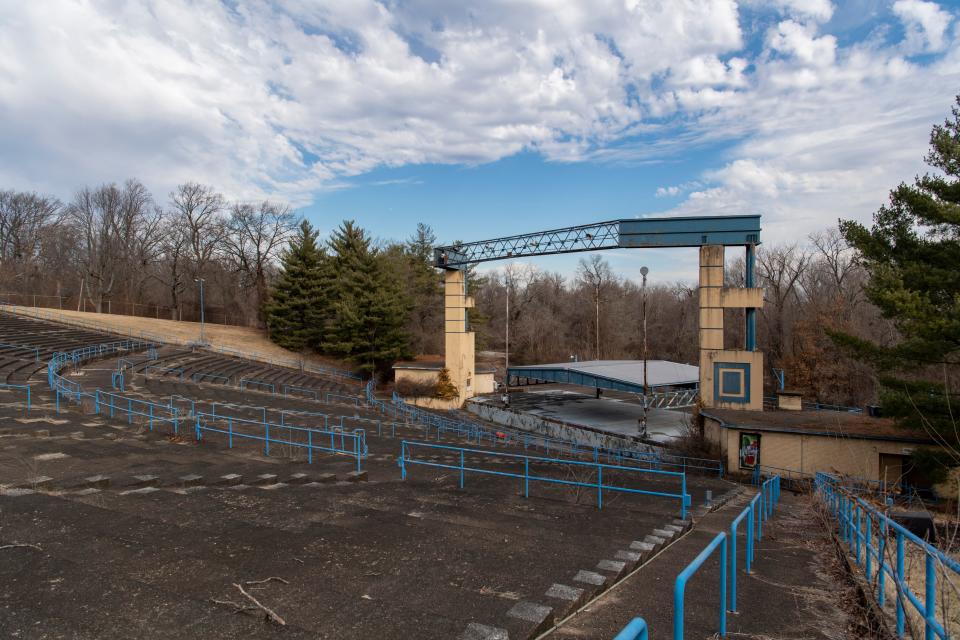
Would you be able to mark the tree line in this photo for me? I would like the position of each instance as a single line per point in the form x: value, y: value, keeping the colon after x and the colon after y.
x: 114, y: 245
x: 809, y: 290
x: 372, y: 302
x: 350, y: 298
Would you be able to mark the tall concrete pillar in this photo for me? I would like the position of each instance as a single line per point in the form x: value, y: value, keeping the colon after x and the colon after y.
x: 459, y: 343
x: 711, y: 287
x: 730, y: 379
x: 750, y: 317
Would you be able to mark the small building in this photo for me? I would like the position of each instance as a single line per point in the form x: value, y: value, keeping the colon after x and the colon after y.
x: 801, y: 443
x: 425, y: 374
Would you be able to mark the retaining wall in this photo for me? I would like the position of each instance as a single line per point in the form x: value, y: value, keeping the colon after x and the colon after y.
x: 540, y: 425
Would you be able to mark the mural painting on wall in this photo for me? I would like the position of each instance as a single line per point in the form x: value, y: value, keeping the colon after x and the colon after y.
x: 749, y: 450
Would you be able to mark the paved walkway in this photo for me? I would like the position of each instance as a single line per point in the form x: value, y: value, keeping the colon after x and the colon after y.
x: 793, y: 594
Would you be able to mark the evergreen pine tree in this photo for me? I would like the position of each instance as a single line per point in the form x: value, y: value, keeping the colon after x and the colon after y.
x: 369, y: 303
x: 425, y: 289
x: 295, y: 312
x: 912, y: 254
x: 446, y: 390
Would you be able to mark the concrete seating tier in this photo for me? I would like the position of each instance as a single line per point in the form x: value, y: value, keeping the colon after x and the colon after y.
x: 236, y: 369
x: 173, y: 524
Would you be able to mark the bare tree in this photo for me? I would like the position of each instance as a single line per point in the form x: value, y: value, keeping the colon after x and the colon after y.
x: 779, y: 269
x: 118, y: 237
x: 837, y: 276
x: 595, y: 273
x: 198, y: 211
x: 172, y: 267
x: 23, y: 218
x: 256, y: 234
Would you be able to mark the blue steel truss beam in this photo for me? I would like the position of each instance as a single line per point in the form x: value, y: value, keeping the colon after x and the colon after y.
x: 632, y: 234
x: 588, y: 237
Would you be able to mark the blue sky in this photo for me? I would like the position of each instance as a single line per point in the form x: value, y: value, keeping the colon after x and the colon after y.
x: 488, y: 118
x: 518, y: 194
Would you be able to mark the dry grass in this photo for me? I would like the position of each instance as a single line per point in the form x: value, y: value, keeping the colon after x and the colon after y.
x: 245, y: 339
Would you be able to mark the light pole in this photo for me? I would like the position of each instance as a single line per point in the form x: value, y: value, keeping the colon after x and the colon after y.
x: 597, y: 298
x: 646, y: 385
x: 506, y: 356
x: 200, y: 282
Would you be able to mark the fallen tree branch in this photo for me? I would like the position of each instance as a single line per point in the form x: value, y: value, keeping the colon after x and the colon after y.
x: 239, y: 608
x: 249, y: 582
x: 270, y: 613
x: 17, y: 545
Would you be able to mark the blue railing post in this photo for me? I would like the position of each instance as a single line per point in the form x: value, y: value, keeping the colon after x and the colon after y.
x: 881, y: 551
x: 900, y: 574
x: 683, y: 498
x: 680, y: 584
x: 859, y: 533
x: 635, y: 630
x: 310, y: 447
x: 723, y: 588
x: 461, y: 468
x: 359, y: 452
x: 526, y: 477
x: 403, y: 457
x: 599, y: 487
x: 930, y: 599
x: 733, y: 564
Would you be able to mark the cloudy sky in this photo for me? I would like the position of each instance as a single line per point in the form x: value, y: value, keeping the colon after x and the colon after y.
x: 484, y: 118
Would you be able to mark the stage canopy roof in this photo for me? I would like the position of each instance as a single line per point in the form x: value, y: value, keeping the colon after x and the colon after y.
x: 620, y: 375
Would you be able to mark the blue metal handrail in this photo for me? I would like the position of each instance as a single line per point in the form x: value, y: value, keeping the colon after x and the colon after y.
x: 408, y: 446
x: 503, y: 435
x: 818, y: 406
x: 164, y: 371
x: 203, y: 377
x: 680, y: 585
x: 19, y: 347
x: 855, y: 518
x: 22, y: 387
x: 636, y: 629
x: 749, y: 513
x: 258, y: 384
x: 288, y: 388
x: 152, y: 411
x: 315, y: 437
x: 760, y: 508
x: 754, y: 512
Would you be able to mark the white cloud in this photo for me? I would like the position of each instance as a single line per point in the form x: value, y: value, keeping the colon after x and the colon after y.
x: 668, y: 192
x: 293, y: 97
x: 289, y: 98
x: 925, y: 23
x: 800, y: 41
x: 818, y: 10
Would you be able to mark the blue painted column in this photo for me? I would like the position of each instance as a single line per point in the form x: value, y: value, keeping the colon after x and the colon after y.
x: 751, y: 314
